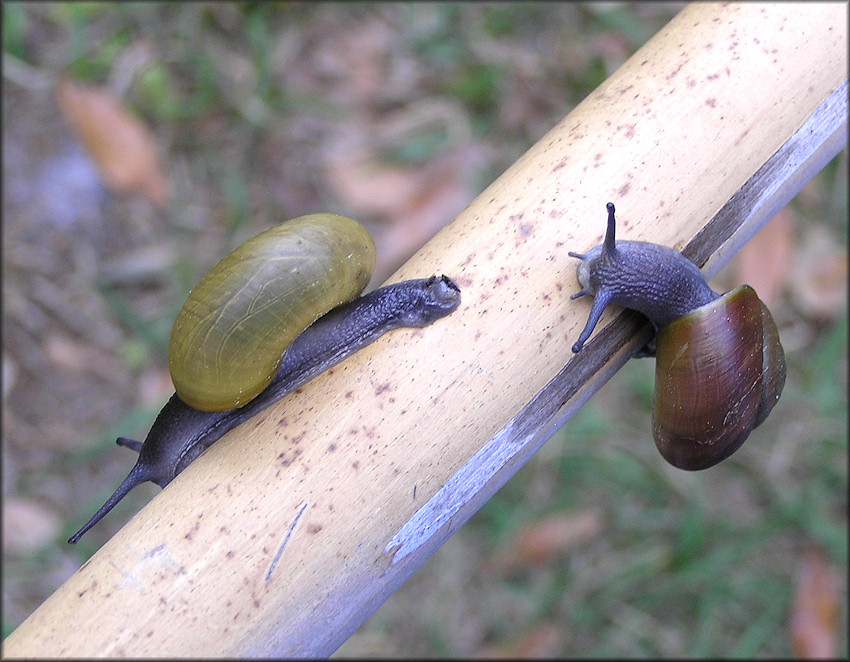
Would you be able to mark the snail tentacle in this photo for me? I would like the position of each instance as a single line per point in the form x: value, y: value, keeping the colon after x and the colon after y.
x: 139, y: 474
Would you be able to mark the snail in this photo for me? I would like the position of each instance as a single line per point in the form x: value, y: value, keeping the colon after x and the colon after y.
x: 720, y: 367
x: 280, y: 309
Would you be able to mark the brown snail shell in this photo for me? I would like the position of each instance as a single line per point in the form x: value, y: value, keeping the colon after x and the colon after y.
x: 719, y: 371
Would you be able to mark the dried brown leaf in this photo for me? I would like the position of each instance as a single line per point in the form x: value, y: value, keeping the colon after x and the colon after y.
x: 413, y: 202
x: 367, y: 186
x: 763, y: 262
x: 440, y: 194
x: 814, y: 613
x: 121, y: 145
x: 819, y: 276
x: 547, y: 538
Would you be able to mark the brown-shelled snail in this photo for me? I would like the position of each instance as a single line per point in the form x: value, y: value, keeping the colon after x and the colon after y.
x: 719, y: 367
x: 280, y: 309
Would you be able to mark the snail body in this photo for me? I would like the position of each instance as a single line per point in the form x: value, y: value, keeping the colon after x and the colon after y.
x: 182, y: 432
x: 720, y: 367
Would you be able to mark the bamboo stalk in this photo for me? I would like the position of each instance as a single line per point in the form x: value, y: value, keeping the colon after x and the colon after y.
x: 279, y: 540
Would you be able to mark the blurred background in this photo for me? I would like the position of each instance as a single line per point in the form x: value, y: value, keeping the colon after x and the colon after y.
x: 143, y: 141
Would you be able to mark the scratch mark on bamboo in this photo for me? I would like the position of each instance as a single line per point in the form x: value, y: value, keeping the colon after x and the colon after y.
x: 286, y: 540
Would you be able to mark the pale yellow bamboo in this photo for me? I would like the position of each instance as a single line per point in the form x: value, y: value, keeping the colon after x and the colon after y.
x: 269, y: 542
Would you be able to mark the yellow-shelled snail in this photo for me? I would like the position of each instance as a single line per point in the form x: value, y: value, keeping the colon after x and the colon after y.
x: 280, y: 309
x: 720, y: 367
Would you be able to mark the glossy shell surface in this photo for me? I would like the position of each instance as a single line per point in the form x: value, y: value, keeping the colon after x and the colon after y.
x: 229, y: 336
x: 719, y: 371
